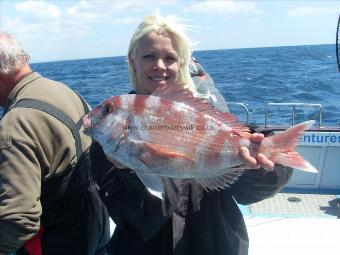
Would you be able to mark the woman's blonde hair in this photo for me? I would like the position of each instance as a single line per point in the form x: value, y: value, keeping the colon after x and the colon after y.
x: 168, y: 27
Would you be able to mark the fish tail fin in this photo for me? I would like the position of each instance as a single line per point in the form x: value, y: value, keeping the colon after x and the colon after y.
x: 280, y: 148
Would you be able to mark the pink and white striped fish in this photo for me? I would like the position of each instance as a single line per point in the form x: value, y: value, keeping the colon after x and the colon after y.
x: 173, y: 134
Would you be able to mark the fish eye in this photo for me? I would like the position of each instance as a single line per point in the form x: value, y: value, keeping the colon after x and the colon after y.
x: 106, y: 108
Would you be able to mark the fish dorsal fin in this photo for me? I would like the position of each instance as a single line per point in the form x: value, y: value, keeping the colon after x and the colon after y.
x: 221, y: 181
x: 176, y: 93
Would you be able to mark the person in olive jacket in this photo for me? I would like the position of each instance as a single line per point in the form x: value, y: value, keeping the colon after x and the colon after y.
x: 49, y: 203
x: 159, y: 54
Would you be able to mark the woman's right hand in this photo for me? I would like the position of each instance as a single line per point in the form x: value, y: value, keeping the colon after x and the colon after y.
x: 261, y: 160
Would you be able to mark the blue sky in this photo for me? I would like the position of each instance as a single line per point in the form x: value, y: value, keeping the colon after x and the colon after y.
x: 65, y: 29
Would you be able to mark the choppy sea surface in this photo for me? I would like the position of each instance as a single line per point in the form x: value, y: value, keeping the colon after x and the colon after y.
x: 254, y: 76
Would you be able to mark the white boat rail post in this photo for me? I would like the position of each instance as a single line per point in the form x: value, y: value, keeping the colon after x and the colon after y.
x: 243, y: 106
x: 293, y: 106
x: 337, y: 44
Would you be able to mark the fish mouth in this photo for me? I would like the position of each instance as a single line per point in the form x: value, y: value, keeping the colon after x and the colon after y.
x: 87, y: 122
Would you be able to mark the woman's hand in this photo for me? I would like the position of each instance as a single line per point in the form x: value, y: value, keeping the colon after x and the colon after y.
x: 260, y: 160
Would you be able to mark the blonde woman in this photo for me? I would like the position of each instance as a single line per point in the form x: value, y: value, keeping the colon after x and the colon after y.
x: 159, y: 54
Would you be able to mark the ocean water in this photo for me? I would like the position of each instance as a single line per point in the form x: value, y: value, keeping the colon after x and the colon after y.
x: 254, y: 76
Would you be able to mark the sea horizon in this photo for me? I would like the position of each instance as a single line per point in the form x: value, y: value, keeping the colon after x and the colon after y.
x: 259, y: 47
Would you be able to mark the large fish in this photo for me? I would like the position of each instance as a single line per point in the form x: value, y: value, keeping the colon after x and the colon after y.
x: 172, y: 134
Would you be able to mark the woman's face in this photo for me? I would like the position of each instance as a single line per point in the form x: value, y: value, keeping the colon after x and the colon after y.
x: 155, y: 63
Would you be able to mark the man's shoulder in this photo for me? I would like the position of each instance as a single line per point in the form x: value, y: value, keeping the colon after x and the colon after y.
x: 25, y: 110
x: 47, y: 86
x: 54, y: 93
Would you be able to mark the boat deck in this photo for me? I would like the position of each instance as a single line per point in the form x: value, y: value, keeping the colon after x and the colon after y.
x: 294, y: 223
x: 298, y: 205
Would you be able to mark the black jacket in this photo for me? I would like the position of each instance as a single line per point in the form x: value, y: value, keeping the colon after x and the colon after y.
x: 217, y: 228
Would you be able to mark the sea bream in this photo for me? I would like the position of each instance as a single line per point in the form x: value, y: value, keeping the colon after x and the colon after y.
x: 172, y: 134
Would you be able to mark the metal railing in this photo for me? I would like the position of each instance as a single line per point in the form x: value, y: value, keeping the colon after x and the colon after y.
x: 293, y: 106
x: 243, y: 106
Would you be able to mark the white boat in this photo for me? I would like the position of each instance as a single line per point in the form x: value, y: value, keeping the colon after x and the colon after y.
x: 305, y: 217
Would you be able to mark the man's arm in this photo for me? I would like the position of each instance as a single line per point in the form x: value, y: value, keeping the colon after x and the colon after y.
x: 20, y: 181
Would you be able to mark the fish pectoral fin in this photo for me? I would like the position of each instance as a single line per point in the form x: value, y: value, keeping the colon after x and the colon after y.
x: 157, y: 155
x: 166, y: 152
x: 221, y: 181
x: 154, y: 184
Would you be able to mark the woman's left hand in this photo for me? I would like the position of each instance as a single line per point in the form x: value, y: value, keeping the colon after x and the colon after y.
x: 260, y: 160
